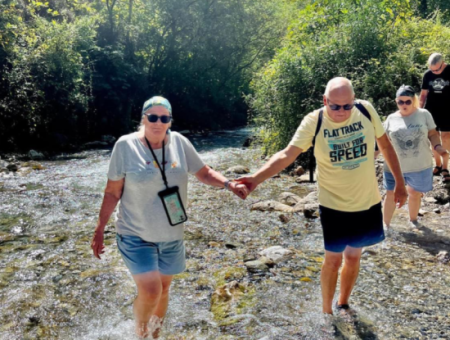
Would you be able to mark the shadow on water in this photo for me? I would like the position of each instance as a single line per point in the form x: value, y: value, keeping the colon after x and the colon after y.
x: 430, y: 241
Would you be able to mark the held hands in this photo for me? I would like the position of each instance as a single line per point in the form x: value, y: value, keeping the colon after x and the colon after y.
x: 249, y: 182
x: 239, y: 190
x: 97, y: 243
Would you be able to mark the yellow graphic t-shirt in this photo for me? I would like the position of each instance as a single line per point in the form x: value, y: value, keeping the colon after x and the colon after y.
x: 345, y: 158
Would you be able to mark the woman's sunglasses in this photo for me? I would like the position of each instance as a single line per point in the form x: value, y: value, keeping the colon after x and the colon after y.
x: 401, y: 102
x: 152, y: 118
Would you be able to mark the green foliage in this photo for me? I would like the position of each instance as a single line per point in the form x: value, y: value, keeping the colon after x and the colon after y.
x: 74, y: 70
x: 379, y: 45
x: 48, y: 78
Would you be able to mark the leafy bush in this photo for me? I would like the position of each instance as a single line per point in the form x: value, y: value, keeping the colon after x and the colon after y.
x: 377, y: 45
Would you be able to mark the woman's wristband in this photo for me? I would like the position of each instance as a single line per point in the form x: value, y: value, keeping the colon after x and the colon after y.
x: 437, y: 146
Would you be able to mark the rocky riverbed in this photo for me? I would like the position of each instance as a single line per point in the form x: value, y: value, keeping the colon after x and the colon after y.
x: 253, y: 266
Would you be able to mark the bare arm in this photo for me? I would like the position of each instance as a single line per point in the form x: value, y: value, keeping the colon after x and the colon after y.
x: 390, y: 157
x: 113, y: 193
x: 423, y: 98
x: 276, y: 163
x: 210, y: 177
x: 435, y: 140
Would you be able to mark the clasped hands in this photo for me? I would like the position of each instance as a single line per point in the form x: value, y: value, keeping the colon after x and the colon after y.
x: 243, y: 186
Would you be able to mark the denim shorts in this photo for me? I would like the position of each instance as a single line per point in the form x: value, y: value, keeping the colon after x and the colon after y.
x: 421, y: 181
x: 355, y: 229
x: 141, y: 256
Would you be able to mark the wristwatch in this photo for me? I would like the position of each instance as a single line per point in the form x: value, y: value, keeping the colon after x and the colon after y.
x: 227, y: 184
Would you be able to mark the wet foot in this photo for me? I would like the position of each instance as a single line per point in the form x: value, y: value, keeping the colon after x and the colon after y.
x: 142, y: 331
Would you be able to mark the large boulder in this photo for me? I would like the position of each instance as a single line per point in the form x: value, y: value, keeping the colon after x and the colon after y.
x: 35, y: 155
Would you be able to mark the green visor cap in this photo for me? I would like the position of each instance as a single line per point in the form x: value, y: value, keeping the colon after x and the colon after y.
x: 157, y: 101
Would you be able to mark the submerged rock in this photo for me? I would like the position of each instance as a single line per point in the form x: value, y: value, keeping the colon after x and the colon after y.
x: 443, y: 257
x: 238, y: 169
x: 299, y: 171
x: 277, y: 254
x: 256, y: 266
x: 289, y: 198
x: 271, y: 205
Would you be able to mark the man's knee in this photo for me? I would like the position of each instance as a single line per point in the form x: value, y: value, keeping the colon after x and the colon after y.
x: 352, y: 260
x: 332, y: 263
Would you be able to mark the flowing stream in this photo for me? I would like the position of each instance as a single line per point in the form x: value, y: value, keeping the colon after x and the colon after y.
x: 51, y: 286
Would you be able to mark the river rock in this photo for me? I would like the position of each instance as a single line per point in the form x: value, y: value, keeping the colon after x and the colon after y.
x: 277, y: 254
x: 108, y: 139
x: 3, y: 165
x: 311, y: 210
x: 430, y: 200
x: 257, y: 266
x: 35, y: 155
x: 238, y: 169
x: 443, y: 257
x: 12, y: 167
x: 289, y: 198
x: 271, y: 205
x: 437, y: 211
x: 283, y: 218
x: 248, y: 141
x: 298, y: 171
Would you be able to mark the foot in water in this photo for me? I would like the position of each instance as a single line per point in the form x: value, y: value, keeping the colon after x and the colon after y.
x: 142, y: 331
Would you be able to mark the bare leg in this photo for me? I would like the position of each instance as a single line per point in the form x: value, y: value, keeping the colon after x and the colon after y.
x: 413, y: 203
x: 388, y: 207
x: 445, y: 136
x: 349, y: 273
x: 328, y: 279
x: 161, y: 308
x: 149, y: 287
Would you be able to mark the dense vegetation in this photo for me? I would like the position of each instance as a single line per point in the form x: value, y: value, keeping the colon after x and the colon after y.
x: 379, y: 45
x: 74, y: 70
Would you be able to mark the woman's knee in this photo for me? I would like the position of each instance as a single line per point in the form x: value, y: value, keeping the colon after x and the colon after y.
x: 352, y: 259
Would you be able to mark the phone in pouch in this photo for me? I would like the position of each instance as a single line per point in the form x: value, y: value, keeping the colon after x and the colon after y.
x: 173, y: 205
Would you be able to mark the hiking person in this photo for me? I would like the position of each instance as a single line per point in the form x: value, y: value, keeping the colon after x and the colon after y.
x: 148, y: 174
x: 411, y: 130
x: 343, y: 134
x: 435, y: 97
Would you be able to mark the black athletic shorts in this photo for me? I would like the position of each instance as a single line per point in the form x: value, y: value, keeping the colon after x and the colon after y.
x: 441, y: 120
x: 355, y: 229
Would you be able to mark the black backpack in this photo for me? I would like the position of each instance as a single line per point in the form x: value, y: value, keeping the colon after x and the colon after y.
x: 312, y: 160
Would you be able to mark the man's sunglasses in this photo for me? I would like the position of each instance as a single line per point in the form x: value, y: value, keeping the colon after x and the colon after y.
x: 346, y: 107
x: 152, y: 118
x: 434, y: 71
x: 401, y: 102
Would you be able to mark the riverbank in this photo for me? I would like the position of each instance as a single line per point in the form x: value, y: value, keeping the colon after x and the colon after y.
x: 51, y: 287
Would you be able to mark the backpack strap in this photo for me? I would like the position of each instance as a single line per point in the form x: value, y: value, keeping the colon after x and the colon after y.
x: 312, y: 159
x: 319, y: 124
x: 363, y: 110
x: 366, y: 113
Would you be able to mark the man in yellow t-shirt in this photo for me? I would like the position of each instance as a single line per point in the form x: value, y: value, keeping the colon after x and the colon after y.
x: 350, y: 203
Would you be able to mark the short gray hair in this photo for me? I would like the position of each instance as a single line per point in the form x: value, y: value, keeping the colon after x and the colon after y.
x: 434, y: 59
x: 338, y: 80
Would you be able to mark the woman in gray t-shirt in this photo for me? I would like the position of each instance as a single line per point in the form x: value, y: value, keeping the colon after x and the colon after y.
x: 411, y: 130
x: 148, y: 174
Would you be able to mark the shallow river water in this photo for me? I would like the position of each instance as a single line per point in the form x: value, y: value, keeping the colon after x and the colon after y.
x: 51, y: 287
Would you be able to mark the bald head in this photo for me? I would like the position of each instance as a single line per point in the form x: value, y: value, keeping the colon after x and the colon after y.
x: 339, y: 86
x: 339, y: 94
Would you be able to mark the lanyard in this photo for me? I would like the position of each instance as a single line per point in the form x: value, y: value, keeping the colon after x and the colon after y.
x: 163, y: 170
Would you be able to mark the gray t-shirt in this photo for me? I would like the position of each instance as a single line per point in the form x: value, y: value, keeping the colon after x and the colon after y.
x: 141, y: 212
x: 409, y: 136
